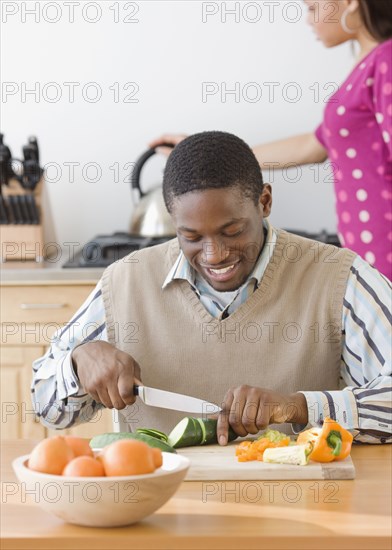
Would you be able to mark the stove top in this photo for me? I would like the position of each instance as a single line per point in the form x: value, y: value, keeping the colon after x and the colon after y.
x: 106, y: 249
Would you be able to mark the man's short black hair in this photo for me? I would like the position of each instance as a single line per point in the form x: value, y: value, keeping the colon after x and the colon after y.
x: 211, y: 160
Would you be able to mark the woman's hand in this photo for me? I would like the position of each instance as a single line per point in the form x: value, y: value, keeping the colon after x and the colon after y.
x: 248, y: 410
x: 173, y: 139
x: 106, y: 373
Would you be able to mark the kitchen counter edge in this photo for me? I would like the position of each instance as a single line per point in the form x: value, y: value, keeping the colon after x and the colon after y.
x: 49, y: 275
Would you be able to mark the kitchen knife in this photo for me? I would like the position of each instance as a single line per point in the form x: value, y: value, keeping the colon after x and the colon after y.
x: 28, y: 213
x: 4, y: 219
x: 14, y: 206
x: 33, y: 209
x: 174, y: 401
x: 31, y: 170
x: 18, y: 211
x: 34, y: 146
x: 24, y: 209
x: 5, y: 162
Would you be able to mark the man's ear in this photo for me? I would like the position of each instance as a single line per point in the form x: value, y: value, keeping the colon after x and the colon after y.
x: 266, y: 199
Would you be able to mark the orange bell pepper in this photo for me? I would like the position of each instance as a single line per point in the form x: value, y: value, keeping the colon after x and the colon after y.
x: 331, y: 442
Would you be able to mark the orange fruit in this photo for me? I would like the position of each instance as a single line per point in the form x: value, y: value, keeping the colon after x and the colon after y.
x: 128, y: 457
x: 157, y: 455
x: 99, y: 455
x: 51, y: 456
x: 79, y: 445
x: 84, y: 466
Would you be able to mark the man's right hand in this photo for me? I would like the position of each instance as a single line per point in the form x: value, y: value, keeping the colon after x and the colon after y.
x: 106, y: 373
x: 173, y: 139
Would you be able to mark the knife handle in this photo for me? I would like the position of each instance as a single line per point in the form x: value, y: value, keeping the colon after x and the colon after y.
x: 136, y: 390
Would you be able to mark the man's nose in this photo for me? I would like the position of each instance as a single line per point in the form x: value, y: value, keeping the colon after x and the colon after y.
x: 214, y: 252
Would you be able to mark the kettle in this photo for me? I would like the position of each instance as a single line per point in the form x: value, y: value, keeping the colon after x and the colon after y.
x: 150, y: 217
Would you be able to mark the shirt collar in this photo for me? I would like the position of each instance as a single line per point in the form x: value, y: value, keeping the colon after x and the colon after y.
x: 183, y: 270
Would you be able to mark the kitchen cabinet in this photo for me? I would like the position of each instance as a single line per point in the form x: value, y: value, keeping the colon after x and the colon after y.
x: 17, y: 415
x: 31, y: 311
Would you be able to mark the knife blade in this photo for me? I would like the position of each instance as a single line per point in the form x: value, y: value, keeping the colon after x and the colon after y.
x: 174, y: 401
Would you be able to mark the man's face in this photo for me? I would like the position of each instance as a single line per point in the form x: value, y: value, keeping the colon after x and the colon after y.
x: 221, y: 233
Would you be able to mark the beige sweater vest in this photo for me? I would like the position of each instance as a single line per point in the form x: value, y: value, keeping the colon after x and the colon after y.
x: 286, y: 337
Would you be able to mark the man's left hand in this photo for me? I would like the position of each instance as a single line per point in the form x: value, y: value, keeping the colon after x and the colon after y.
x: 248, y: 410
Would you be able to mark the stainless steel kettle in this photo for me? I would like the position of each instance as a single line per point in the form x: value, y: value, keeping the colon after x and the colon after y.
x: 150, y: 217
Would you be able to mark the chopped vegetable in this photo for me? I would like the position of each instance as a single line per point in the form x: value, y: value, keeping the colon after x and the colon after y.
x: 331, y: 442
x: 274, y: 435
x: 195, y: 431
x: 293, y: 454
x: 186, y: 433
x: 254, y: 450
x: 100, y: 441
x: 153, y: 433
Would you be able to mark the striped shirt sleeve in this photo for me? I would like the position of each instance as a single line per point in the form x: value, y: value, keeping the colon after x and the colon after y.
x: 365, y: 404
x: 59, y: 400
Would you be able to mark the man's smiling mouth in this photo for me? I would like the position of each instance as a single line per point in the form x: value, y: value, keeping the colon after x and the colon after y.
x: 222, y: 270
x: 221, y: 274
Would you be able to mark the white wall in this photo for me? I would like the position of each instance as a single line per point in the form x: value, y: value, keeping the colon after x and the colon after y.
x: 169, y: 52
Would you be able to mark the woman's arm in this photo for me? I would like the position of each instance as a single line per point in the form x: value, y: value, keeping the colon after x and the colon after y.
x: 300, y: 149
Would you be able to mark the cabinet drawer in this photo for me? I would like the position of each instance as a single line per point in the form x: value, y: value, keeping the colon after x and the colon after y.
x: 41, y: 304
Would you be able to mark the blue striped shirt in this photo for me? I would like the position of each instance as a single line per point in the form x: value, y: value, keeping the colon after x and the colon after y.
x: 363, y: 405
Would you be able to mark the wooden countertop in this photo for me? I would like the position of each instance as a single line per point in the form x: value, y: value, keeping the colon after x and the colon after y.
x: 32, y: 273
x: 225, y: 515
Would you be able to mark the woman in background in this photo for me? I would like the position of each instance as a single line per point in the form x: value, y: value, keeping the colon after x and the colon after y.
x: 356, y: 132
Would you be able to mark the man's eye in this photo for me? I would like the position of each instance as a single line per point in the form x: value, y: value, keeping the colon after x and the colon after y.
x: 236, y: 234
x: 192, y: 239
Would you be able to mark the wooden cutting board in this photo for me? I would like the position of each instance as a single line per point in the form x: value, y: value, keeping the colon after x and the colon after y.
x: 216, y: 463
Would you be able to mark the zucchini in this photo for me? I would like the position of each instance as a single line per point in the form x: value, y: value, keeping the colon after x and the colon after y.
x: 186, y: 433
x: 196, y: 431
x: 153, y: 433
x: 100, y: 441
x: 208, y: 428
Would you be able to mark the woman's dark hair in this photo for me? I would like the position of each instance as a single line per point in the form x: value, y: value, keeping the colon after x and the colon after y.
x: 211, y: 160
x: 377, y: 18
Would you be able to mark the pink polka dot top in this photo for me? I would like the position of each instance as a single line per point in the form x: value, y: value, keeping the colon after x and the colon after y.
x: 357, y: 133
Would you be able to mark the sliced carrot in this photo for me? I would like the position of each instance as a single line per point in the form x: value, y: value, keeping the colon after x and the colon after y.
x: 254, y: 450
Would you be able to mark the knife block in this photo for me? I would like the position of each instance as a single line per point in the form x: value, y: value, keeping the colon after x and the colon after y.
x: 22, y: 242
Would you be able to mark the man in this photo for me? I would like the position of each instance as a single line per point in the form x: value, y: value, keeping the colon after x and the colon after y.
x: 233, y: 311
